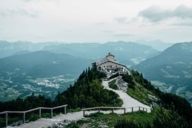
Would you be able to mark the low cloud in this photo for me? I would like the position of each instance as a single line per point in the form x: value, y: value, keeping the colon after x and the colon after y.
x: 18, y: 12
x: 156, y: 14
x: 121, y: 20
x: 123, y: 35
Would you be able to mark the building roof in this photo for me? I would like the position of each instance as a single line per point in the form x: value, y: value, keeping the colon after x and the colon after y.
x: 109, y: 54
x: 114, y: 63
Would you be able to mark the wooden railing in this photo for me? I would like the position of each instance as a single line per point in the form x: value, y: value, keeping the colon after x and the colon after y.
x: 99, y: 109
x: 6, y: 113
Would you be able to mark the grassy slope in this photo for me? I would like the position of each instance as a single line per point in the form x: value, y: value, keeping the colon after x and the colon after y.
x: 140, y: 93
x: 136, y: 88
x: 158, y: 118
x: 100, y: 120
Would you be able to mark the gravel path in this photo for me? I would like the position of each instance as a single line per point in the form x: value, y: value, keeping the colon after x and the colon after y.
x: 128, y: 101
x: 44, y: 123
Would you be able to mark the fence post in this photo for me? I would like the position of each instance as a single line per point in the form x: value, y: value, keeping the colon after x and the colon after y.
x: 51, y: 112
x: 65, y: 111
x: 83, y: 113
x: 39, y: 112
x: 6, y: 119
x: 132, y: 109
x: 139, y: 108
x: 24, y: 117
x: 112, y: 110
x: 99, y: 110
x: 124, y: 110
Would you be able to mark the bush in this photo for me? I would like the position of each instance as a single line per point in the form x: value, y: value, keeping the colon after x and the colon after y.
x: 113, y: 85
x: 161, y: 118
x: 129, y: 79
x: 131, y: 124
x: 113, y: 76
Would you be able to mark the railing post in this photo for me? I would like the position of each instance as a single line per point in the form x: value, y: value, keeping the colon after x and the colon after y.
x: 132, y: 109
x: 51, y: 112
x: 6, y: 119
x: 40, y: 113
x: 65, y: 111
x: 124, y: 110
x: 112, y: 110
x: 83, y: 113
x: 24, y: 117
x: 99, y: 110
x: 139, y: 108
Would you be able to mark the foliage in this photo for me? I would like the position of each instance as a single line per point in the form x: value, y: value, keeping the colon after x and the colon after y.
x: 72, y: 125
x: 88, y: 92
x: 168, y: 119
x: 113, y: 85
x: 25, y: 104
x: 113, y: 76
x: 140, y: 93
x: 177, y: 104
x: 138, y: 87
x: 100, y: 120
x: 129, y: 79
x: 166, y: 100
x: 161, y: 118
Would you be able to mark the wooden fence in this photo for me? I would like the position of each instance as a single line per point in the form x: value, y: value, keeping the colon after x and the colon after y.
x: 99, y: 109
x: 6, y: 113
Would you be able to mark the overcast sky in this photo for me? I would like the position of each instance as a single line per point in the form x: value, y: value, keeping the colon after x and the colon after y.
x: 96, y: 20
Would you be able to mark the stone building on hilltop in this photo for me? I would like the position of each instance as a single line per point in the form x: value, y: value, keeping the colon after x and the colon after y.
x: 110, y: 66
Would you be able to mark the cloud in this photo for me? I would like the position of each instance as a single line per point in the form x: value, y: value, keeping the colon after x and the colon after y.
x: 18, y: 12
x: 121, y: 20
x: 123, y: 35
x: 187, y: 24
x: 156, y: 14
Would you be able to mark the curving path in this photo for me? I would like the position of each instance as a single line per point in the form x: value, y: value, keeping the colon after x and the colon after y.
x: 128, y: 101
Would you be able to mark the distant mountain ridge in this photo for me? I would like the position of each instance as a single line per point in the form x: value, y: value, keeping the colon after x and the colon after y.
x: 173, y: 67
x: 43, y: 64
x: 41, y: 72
x: 125, y: 51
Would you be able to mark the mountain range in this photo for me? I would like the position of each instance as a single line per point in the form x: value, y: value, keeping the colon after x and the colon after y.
x: 41, y: 72
x: 124, y: 51
x: 171, y: 70
x: 51, y: 67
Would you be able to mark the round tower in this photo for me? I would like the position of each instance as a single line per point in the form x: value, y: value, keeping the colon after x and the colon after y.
x: 110, y: 57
